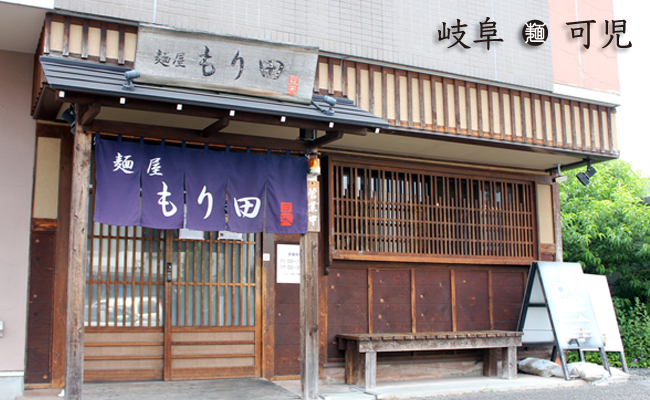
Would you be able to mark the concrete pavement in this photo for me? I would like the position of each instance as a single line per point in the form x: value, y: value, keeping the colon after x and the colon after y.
x: 261, y: 389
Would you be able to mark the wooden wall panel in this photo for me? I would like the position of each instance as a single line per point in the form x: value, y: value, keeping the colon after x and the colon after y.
x: 508, y: 293
x: 472, y: 300
x: 433, y: 301
x: 41, y: 285
x: 347, y: 305
x: 287, y: 329
x: 391, y: 301
x: 421, y: 298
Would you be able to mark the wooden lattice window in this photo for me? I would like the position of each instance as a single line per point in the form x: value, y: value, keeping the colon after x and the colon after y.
x: 393, y: 214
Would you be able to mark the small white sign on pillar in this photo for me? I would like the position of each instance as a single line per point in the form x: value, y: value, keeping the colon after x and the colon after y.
x: 288, y: 263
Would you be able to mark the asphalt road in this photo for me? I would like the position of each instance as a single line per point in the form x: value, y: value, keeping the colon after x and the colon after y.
x: 637, y: 388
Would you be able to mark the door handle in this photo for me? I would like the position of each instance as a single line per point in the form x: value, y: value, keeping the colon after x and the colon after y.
x: 169, y: 272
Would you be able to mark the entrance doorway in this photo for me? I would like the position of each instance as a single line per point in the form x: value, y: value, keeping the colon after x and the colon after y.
x: 163, y: 308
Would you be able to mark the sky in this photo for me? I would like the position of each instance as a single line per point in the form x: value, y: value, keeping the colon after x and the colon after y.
x: 633, y: 115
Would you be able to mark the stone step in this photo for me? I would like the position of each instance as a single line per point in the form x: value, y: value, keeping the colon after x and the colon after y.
x: 40, y: 394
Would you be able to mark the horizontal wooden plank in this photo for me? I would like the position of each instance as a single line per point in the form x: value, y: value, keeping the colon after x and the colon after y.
x: 118, y: 375
x: 213, y: 373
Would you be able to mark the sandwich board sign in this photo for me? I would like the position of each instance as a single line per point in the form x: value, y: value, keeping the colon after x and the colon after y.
x: 601, y: 300
x: 557, y: 310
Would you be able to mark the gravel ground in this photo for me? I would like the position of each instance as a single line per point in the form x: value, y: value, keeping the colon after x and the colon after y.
x: 637, y: 388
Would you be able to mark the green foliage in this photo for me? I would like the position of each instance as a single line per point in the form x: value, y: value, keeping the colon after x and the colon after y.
x: 606, y: 227
x: 634, y: 324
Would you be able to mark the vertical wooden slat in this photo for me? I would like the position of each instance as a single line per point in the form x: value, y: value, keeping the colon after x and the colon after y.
x: 84, y: 40
x: 344, y: 77
x: 592, y: 129
x: 554, y: 121
x: 409, y: 98
x: 457, y: 106
x: 564, y: 127
x: 384, y: 93
x: 330, y: 75
x: 434, y: 104
x: 479, y: 103
x: 502, y: 115
x: 601, y: 128
x: 65, y: 52
x: 513, y: 118
x: 47, y: 34
x: 544, y: 127
x: 610, y: 128
x: 583, y: 129
x: 357, y: 83
x: 77, y: 260
x: 398, y: 100
x: 371, y: 77
x: 490, y: 90
x: 121, y: 44
x: 468, y: 107
x: 423, y: 119
x: 445, y: 105
x: 522, y: 113
x: 574, y: 134
x: 102, y: 44
x: 533, y: 116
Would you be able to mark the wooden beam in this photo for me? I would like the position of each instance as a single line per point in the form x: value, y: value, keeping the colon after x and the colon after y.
x: 309, y: 316
x: 330, y: 137
x: 77, y: 261
x: 209, y: 112
x: 216, y: 127
x: 192, y: 135
x: 92, y: 112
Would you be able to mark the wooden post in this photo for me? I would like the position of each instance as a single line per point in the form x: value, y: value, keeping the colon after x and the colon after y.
x: 557, y: 222
x: 309, y: 315
x: 77, y: 261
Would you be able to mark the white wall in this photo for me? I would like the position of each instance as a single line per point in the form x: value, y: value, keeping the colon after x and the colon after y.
x: 395, y: 31
x: 17, y: 137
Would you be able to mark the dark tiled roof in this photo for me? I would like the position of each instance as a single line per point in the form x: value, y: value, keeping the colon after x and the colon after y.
x: 99, y: 79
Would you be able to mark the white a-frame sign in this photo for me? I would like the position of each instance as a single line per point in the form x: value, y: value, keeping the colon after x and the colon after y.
x: 557, y: 310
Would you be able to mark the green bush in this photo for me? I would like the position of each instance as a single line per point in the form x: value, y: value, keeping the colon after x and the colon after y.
x: 634, y: 324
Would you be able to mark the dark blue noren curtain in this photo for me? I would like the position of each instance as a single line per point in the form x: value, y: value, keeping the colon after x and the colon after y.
x: 117, y: 191
x: 205, y: 185
x: 246, y: 186
x: 286, y: 204
x: 162, y: 187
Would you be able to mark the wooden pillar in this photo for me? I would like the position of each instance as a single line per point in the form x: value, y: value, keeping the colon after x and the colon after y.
x: 509, y: 362
x: 557, y: 222
x: 61, y: 260
x: 77, y: 261
x: 309, y: 315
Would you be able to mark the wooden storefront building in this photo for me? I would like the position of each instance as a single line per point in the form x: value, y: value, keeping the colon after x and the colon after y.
x: 436, y: 193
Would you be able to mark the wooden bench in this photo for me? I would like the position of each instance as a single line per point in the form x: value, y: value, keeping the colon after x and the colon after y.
x: 361, y: 350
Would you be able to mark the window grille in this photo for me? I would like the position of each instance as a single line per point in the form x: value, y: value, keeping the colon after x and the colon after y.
x: 402, y: 215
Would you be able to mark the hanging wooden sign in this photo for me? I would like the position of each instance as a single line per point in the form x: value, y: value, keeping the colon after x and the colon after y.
x: 557, y: 298
x: 166, y: 56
